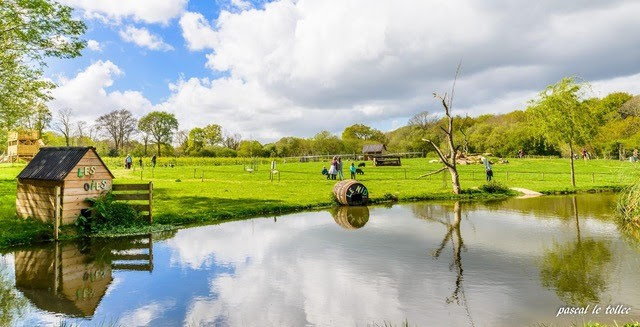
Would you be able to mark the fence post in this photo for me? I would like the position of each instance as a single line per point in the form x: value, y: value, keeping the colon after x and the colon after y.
x: 150, y: 202
x: 202, y: 176
x: 194, y: 173
x: 56, y: 214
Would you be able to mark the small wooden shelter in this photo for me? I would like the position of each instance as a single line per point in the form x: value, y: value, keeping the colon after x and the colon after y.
x: 23, y: 145
x: 371, y: 151
x: 57, y: 182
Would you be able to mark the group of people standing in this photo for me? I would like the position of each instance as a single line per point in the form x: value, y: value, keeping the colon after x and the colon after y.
x: 335, y: 170
x: 128, y: 161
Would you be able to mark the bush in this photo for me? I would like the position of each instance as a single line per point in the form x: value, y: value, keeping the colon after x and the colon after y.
x: 106, y: 213
x: 495, y: 188
x: 629, y: 205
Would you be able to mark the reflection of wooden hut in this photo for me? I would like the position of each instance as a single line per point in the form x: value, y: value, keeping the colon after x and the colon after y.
x: 78, y: 172
x: 71, y: 278
x: 62, y: 279
x: 23, y: 145
x: 371, y: 151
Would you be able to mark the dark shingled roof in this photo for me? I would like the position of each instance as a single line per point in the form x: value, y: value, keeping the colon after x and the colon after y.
x: 367, y: 148
x: 55, y: 163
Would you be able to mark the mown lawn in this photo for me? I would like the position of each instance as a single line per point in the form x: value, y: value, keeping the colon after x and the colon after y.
x: 228, y: 191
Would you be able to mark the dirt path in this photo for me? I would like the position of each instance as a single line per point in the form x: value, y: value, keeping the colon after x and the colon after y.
x: 526, y: 192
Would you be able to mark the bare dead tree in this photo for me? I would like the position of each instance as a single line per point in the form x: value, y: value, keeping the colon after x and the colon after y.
x: 119, y: 125
x: 81, y: 128
x: 423, y: 120
x: 232, y: 141
x: 449, y: 160
x: 63, y: 124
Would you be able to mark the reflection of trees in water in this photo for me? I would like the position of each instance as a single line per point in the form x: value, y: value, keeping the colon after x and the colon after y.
x: 598, y: 206
x: 350, y: 217
x: 575, y: 270
x: 453, y: 236
x: 12, y: 304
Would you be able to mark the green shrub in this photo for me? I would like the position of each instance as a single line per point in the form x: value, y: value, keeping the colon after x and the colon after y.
x: 106, y: 213
x: 629, y: 205
x: 494, y: 188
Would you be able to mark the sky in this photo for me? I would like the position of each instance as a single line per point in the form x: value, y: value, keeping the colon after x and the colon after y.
x: 269, y: 69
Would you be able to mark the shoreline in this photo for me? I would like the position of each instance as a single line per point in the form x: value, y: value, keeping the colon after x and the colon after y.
x: 172, y: 222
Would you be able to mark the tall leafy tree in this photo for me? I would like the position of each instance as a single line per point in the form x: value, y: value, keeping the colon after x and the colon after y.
x: 31, y: 31
x: 212, y: 134
x: 119, y: 125
x: 160, y: 125
x: 561, y: 116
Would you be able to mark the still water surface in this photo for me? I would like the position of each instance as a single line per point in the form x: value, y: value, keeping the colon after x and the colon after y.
x: 506, y: 263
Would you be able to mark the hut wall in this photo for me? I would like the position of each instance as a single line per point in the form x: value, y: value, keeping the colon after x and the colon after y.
x: 93, y: 180
x: 36, y: 199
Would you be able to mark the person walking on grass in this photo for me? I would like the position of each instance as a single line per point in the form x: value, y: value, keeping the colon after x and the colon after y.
x: 332, y: 169
x: 153, y: 161
x: 487, y: 168
x: 127, y: 161
x: 339, y: 168
x: 352, y: 169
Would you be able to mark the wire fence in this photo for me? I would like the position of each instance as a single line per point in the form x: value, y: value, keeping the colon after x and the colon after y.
x: 284, y: 173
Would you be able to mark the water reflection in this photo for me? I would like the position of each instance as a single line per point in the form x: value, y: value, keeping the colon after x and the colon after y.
x: 12, y: 304
x: 72, y: 277
x: 575, y: 270
x: 350, y: 217
x: 430, y: 263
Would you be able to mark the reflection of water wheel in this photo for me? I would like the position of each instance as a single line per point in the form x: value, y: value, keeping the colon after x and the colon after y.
x: 351, y: 217
x: 351, y: 192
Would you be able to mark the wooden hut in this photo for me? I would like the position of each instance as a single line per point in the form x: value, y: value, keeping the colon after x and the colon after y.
x: 371, y: 151
x: 63, y: 178
x: 23, y: 145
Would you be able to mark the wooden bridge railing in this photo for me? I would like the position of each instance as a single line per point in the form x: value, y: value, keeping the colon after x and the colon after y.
x: 139, y: 193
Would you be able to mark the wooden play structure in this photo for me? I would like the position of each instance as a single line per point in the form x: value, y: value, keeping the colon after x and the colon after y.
x: 350, y: 192
x: 351, y: 218
x: 370, y: 151
x: 54, y: 186
x: 387, y: 161
x: 23, y: 145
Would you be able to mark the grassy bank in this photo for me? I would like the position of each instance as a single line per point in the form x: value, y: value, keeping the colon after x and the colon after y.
x: 192, y: 193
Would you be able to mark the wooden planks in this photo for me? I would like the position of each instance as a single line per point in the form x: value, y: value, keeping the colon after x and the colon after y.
x: 130, y: 187
x: 136, y: 192
x: 124, y: 196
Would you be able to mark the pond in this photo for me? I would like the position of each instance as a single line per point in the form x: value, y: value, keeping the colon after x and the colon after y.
x: 504, y: 263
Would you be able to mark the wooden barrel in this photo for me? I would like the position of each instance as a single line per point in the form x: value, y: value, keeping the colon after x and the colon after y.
x: 351, y: 217
x: 351, y: 193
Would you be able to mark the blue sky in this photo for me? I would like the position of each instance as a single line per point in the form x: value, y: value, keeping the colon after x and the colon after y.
x: 296, y: 67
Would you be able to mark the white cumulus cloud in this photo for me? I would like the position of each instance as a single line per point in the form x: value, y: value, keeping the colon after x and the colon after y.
x: 88, y: 96
x: 143, y: 38
x: 94, y: 45
x: 149, y: 11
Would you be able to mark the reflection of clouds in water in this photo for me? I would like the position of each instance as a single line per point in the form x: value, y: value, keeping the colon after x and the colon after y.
x: 285, y: 292
x: 236, y: 241
x: 142, y: 316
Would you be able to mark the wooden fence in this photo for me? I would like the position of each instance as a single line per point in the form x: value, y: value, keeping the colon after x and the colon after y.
x: 142, y: 194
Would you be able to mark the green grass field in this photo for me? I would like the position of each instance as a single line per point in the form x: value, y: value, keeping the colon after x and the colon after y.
x: 191, y: 193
